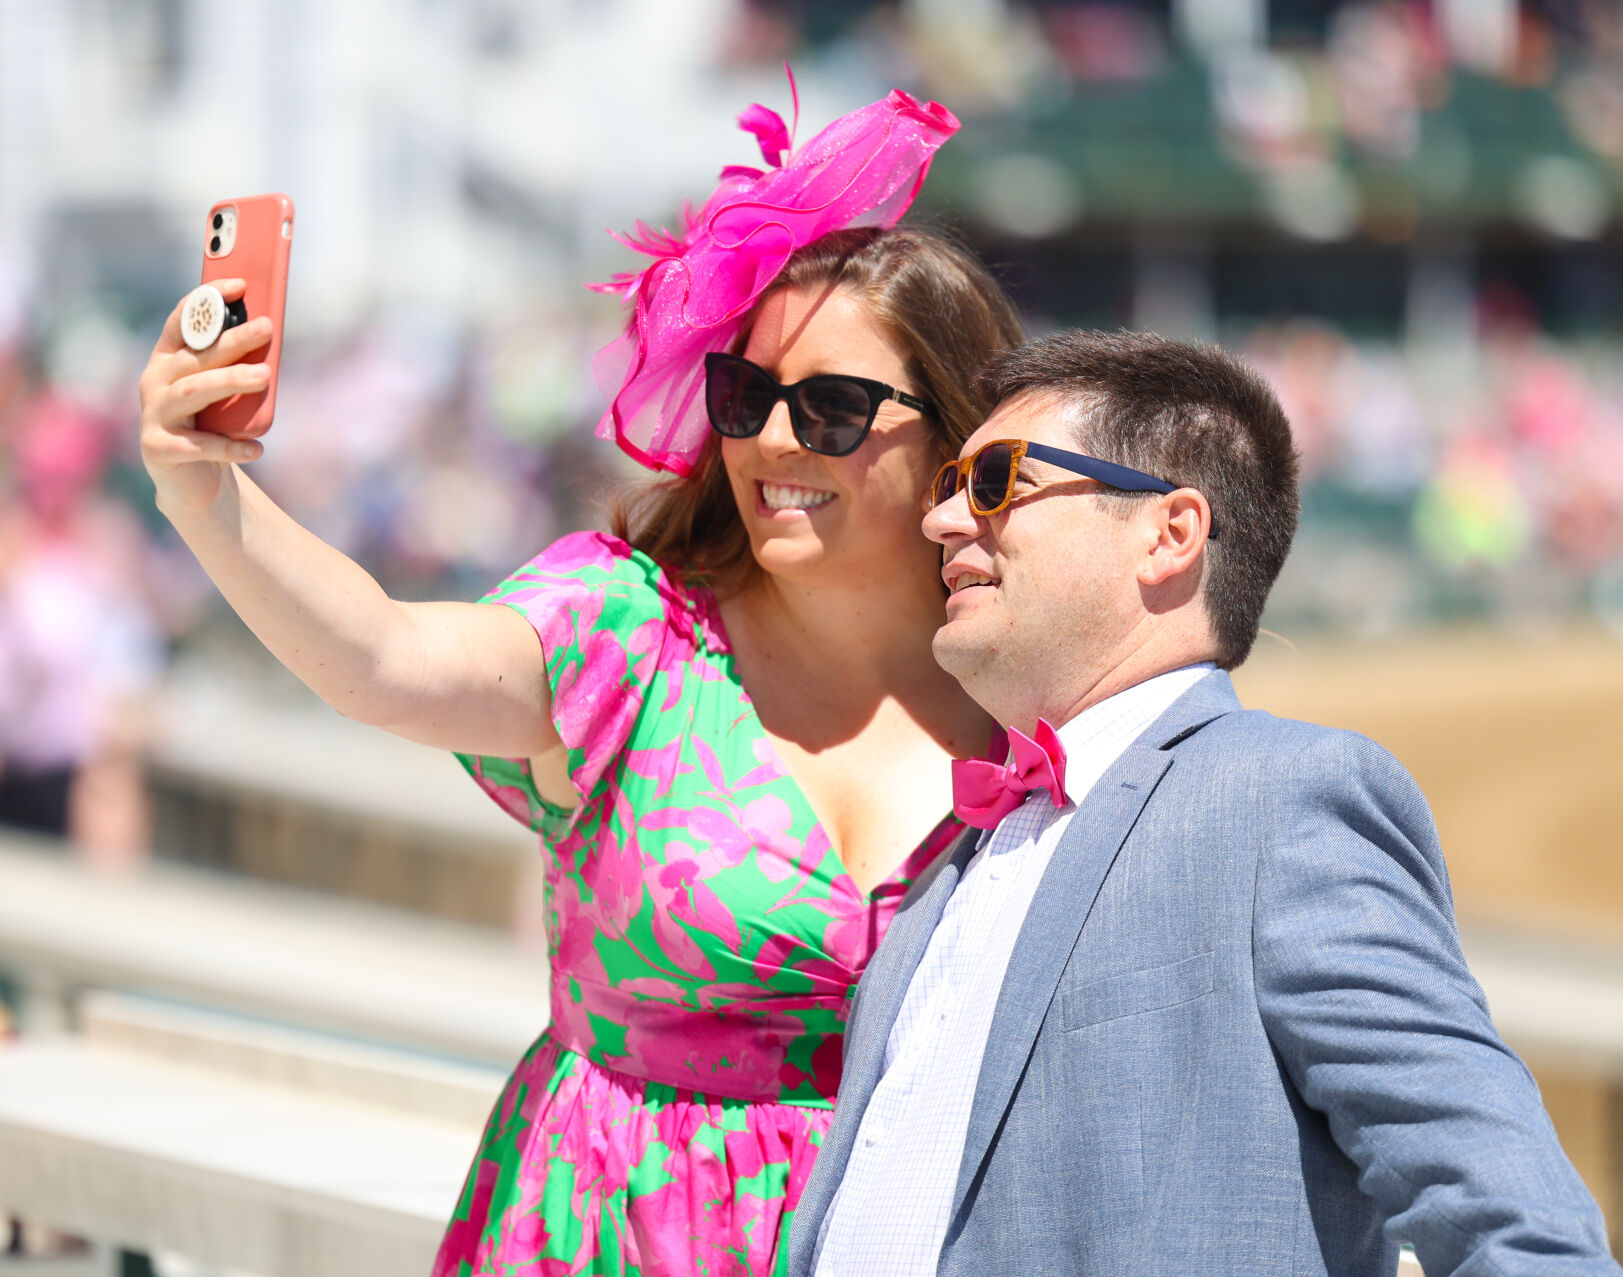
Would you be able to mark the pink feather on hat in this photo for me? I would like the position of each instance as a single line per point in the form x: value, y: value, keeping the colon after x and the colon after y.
x: 862, y: 170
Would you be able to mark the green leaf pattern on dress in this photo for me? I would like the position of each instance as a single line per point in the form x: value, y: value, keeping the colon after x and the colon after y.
x: 704, y: 941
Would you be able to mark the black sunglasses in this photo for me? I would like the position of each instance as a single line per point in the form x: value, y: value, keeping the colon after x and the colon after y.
x: 989, y: 473
x: 831, y: 413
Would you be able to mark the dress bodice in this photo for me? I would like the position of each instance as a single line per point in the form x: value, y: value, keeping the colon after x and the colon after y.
x: 703, y: 931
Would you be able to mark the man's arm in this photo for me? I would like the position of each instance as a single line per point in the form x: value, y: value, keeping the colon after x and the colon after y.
x: 1365, y: 994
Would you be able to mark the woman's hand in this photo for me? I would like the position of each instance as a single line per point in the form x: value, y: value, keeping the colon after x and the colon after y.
x: 186, y: 463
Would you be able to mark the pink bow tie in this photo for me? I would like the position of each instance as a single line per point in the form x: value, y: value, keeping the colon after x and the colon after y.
x: 985, y: 790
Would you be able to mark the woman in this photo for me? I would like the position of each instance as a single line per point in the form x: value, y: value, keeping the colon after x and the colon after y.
x: 731, y: 734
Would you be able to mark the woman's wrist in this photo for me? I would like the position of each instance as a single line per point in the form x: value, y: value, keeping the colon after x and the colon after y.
x: 199, y: 512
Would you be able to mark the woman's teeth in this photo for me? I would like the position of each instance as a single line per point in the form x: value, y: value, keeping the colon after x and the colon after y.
x: 781, y: 498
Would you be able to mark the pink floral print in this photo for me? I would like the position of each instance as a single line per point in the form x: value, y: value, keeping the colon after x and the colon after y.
x: 704, y: 941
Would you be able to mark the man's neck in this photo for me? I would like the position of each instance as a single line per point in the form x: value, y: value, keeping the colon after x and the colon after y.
x: 1060, y: 700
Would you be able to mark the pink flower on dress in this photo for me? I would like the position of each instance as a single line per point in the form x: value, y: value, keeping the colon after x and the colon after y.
x: 462, y: 1237
x: 513, y: 800
x: 770, y: 769
x: 574, y: 938
x: 773, y: 955
x: 854, y: 930
x: 614, y: 874
x: 572, y: 1021
x: 655, y: 988
x: 675, y: 944
x: 643, y: 650
x: 557, y: 627
x: 729, y: 837
x: 664, y: 767
x: 692, y: 902
x: 594, y: 707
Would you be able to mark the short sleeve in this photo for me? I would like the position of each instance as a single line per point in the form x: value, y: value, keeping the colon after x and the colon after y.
x: 604, y: 614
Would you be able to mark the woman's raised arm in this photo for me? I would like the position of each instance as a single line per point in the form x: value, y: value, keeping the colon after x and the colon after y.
x: 462, y: 676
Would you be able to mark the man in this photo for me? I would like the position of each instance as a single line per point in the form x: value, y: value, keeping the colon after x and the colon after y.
x: 1194, y: 1003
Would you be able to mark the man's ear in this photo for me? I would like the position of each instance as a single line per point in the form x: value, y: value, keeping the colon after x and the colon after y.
x: 1181, y: 526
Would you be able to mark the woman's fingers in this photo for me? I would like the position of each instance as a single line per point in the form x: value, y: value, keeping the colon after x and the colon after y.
x: 180, y: 445
x: 232, y: 345
x: 199, y: 389
x: 176, y: 386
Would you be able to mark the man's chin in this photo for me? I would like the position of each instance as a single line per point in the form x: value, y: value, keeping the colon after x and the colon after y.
x: 957, y: 650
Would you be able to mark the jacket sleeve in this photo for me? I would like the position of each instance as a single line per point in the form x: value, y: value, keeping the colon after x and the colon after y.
x: 1366, y: 997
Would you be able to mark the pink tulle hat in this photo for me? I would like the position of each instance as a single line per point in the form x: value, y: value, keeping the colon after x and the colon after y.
x: 862, y: 170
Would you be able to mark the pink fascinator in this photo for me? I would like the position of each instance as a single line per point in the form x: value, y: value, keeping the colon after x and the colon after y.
x: 862, y: 170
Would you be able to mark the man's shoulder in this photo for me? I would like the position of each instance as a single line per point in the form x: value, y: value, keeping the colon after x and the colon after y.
x: 1264, y: 728
x: 1293, y: 748
x: 1209, y: 716
x: 1283, y: 773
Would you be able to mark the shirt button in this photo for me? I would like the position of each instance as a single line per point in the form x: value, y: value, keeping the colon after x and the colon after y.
x: 873, y: 1137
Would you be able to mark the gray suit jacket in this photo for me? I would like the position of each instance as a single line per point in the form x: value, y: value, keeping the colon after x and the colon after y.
x: 1237, y: 1036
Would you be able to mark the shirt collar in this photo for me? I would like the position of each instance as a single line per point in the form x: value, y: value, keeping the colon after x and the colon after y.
x: 1100, y: 734
x: 1104, y: 731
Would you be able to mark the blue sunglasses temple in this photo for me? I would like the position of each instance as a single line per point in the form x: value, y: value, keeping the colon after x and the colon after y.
x: 1123, y: 477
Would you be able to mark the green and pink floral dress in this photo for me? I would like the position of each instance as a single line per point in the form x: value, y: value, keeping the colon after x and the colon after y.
x: 704, y: 941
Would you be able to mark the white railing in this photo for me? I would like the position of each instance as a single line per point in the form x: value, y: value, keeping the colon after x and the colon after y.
x: 295, y: 1088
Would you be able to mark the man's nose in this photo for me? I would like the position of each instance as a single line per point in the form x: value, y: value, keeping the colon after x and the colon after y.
x: 952, y: 520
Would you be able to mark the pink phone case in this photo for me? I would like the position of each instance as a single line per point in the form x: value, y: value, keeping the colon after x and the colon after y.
x: 260, y: 256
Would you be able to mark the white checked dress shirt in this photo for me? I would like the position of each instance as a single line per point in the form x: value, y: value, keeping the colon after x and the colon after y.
x: 889, y: 1215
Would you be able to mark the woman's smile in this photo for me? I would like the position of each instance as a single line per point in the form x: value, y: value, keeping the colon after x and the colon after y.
x: 779, y: 498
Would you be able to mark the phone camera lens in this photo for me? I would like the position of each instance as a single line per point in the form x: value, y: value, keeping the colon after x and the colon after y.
x: 219, y: 220
x: 214, y: 244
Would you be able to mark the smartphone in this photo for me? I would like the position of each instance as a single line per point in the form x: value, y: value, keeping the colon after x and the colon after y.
x: 250, y: 239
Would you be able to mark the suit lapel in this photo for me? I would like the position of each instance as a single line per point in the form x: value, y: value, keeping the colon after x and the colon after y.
x: 1060, y: 908
x: 884, y: 984
x: 880, y: 994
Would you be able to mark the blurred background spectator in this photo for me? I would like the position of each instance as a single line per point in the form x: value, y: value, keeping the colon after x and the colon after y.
x: 79, y: 644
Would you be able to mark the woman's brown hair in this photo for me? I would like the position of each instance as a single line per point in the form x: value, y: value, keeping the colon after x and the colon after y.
x: 944, y: 311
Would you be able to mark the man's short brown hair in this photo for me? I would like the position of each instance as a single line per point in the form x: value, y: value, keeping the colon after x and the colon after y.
x: 1195, y: 416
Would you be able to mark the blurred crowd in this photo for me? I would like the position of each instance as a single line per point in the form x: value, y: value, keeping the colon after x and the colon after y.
x: 1294, y: 77
x: 1483, y: 482
x: 1476, y: 474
